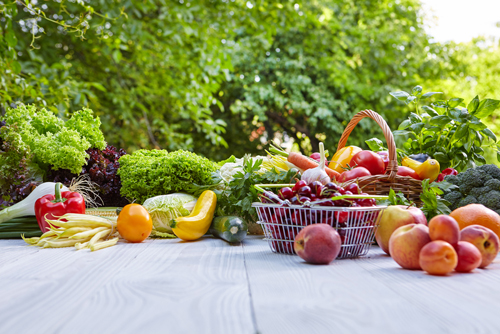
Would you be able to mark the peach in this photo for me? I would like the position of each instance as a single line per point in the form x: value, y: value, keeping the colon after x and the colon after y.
x: 469, y: 257
x: 394, y: 217
x: 484, y: 239
x: 317, y: 243
x: 443, y: 227
x: 406, y: 242
x: 438, y: 258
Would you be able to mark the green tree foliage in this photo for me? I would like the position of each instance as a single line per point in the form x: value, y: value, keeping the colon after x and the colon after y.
x: 330, y: 60
x: 216, y: 76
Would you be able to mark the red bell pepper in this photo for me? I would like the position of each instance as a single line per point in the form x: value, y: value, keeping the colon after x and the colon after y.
x: 446, y: 172
x: 53, y: 207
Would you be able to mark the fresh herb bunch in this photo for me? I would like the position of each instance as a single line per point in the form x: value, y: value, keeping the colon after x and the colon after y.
x: 237, y: 196
x: 146, y: 174
x: 449, y: 131
x: 433, y: 203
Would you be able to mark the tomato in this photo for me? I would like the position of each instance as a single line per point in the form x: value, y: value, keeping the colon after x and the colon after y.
x: 370, y: 160
x: 407, y: 171
x: 385, y: 157
x: 134, y: 223
x: 354, y: 174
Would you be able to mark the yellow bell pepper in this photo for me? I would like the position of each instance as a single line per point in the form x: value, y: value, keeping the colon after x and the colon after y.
x: 429, y: 169
x: 342, y: 157
x: 195, y: 225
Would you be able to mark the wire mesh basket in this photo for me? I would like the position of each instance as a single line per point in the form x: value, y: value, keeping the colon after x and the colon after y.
x: 355, y: 225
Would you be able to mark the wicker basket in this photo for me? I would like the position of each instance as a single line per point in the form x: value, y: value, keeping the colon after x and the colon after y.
x: 381, y: 184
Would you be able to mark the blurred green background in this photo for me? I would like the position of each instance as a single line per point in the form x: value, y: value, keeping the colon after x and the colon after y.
x: 223, y: 77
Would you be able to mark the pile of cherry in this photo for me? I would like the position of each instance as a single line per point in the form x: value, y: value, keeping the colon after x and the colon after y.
x: 284, y: 223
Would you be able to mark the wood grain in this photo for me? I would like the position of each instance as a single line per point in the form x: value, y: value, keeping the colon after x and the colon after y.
x: 170, y: 286
x: 291, y: 296
x: 158, y: 286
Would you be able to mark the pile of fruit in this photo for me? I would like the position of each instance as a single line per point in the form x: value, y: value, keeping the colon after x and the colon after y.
x: 463, y: 241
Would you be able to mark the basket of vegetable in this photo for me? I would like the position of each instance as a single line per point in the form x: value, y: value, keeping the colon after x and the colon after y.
x: 381, y: 184
x: 283, y: 216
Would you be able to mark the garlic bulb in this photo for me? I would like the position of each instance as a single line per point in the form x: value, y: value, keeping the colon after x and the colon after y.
x: 317, y: 173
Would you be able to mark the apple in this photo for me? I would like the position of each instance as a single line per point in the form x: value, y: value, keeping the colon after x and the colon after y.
x: 438, y: 258
x: 484, y: 239
x: 393, y: 217
x: 406, y: 242
x: 469, y: 257
x: 317, y: 243
x: 443, y: 227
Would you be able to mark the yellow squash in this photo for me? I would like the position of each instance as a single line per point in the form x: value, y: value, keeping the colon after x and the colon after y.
x: 342, y: 157
x: 429, y: 169
x: 195, y: 225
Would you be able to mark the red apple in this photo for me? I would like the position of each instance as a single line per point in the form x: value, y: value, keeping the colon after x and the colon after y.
x: 317, y: 243
x: 469, y: 257
x: 484, y: 239
x: 394, y: 217
x: 406, y: 242
x: 443, y: 227
x: 438, y: 258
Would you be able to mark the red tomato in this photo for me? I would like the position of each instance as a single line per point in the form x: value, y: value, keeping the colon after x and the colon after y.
x: 354, y: 174
x: 370, y: 160
x: 407, y: 171
x: 385, y: 157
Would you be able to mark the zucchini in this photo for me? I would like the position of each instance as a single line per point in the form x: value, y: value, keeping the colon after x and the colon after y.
x: 229, y: 228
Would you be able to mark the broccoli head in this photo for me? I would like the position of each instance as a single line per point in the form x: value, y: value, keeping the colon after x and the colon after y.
x: 466, y: 201
x: 476, y: 185
x: 491, y: 170
x: 453, y: 197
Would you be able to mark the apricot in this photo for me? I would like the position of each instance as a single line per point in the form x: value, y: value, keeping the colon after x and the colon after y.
x: 438, y: 258
x: 443, y: 227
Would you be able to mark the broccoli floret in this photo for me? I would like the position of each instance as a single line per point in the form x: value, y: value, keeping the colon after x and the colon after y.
x: 453, y: 179
x: 491, y: 199
x: 491, y: 170
x: 453, y: 197
x: 466, y: 201
x: 472, y: 178
x: 492, y: 184
x: 478, y: 192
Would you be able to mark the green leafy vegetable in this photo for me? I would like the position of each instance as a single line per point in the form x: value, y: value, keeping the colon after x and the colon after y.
x: 146, y: 174
x: 433, y: 203
x: 448, y: 131
x: 33, y: 140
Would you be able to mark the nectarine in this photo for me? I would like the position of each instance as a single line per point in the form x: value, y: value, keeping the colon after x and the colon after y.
x: 406, y: 242
x: 484, y: 239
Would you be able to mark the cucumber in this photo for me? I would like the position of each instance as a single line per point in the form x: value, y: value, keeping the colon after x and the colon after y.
x: 229, y: 228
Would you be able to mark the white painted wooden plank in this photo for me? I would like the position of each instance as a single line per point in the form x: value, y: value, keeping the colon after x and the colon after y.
x: 291, y: 296
x: 465, y: 303
x: 154, y: 287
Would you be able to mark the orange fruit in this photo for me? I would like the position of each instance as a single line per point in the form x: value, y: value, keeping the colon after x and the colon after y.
x: 477, y: 214
x: 134, y: 223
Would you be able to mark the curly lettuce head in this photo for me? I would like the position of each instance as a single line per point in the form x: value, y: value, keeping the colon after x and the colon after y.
x: 52, y: 141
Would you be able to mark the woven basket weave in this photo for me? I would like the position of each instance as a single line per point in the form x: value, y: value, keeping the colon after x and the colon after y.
x: 381, y: 184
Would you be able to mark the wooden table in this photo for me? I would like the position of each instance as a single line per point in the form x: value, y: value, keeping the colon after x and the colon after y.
x: 169, y: 286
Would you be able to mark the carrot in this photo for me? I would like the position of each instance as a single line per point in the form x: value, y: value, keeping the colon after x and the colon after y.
x: 303, y: 162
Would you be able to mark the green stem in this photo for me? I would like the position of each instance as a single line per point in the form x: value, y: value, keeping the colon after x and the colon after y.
x: 58, y: 198
x: 278, y: 151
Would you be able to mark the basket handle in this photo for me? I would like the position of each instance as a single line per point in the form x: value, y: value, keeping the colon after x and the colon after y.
x: 392, y: 167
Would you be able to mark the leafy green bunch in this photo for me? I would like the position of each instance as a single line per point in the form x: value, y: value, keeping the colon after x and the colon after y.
x: 149, y: 173
x: 239, y: 194
x: 449, y: 131
x: 33, y: 140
